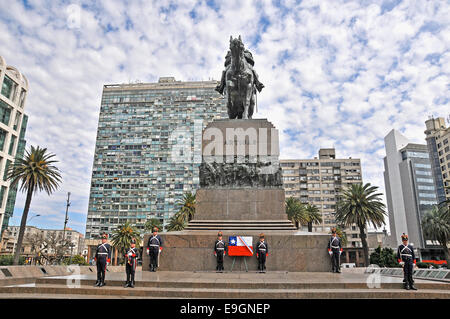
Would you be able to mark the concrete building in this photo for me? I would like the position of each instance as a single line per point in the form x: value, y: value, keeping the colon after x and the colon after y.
x: 320, y: 181
x: 148, y: 150
x: 410, y: 190
x: 13, y: 123
x: 438, y: 142
x: 46, y: 239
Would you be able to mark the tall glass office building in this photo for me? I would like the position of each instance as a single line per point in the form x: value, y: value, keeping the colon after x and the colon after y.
x: 13, y: 124
x: 148, y: 150
x: 410, y: 191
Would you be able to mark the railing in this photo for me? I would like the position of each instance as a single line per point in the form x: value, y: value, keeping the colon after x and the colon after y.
x: 429, y: 274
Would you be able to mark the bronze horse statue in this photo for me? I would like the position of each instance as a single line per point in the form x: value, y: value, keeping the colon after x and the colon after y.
x: 240, y: 90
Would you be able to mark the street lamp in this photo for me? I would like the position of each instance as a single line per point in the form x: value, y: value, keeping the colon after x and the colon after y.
x: 37, y: 215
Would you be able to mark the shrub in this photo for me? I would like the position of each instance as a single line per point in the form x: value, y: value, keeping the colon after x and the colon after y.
x: 7, y: 260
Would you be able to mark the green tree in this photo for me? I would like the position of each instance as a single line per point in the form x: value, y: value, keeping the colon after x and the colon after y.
x: 75, y: 260
x: 361, y: 205
x: 436, y: 226
x: 375, y: 257
x: 152, y: 223
x: 384, y: 257
x: 342, y: 235
x: 122, y: 236
x: 7, y: 260
x: 313, y: 215
x: 295, y: 211
x: 187, y: 209
x: 176, y: 223
x: 36, y: 172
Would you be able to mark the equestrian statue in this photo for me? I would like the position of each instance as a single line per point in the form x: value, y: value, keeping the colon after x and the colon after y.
x: 239, y: 81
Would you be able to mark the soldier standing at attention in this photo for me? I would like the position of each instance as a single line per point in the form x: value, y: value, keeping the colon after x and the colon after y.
x: 154, y: 247
x: 262, y: 251
x: 102, y: 258
x: 335, y: 251
x: 131, y: 256
x: 220, y: 250
x: 406, y: 258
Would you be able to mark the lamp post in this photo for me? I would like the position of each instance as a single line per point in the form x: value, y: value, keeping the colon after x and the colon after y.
x: 67, y: 218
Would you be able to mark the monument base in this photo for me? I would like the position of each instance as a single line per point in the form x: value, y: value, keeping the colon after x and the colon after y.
x: 288, y: 251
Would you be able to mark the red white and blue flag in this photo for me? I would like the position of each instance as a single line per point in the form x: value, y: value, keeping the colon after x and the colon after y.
x: 240, y: 246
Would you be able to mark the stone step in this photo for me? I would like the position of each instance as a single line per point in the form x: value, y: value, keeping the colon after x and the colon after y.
x: 157, y: 292
x: 240, y: 225
x: 238, y: 284
x: 222, y: 227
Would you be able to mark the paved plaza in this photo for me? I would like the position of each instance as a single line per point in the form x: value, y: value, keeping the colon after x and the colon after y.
x: 229, y: 285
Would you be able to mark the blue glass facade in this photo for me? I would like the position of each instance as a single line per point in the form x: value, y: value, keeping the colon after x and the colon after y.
x: 142, y: 127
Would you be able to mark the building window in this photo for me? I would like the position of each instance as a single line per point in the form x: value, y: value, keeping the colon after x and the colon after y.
x: 22, y: 98
x: 5, y: 112
x: 2, y: 194
x: 427, y: 173
x: 11, y: 144
x: 2, y: 139
x: 8, y: 162
x: 17, y: 120
x: 9, y: 88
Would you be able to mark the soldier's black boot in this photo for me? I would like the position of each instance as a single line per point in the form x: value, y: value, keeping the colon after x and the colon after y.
x: 127, y: 284
x: 97, y: 283
x: 411, y: 285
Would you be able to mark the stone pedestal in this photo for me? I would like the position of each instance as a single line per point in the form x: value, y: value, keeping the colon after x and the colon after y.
x: 241, y: 193
x: 288, y: 251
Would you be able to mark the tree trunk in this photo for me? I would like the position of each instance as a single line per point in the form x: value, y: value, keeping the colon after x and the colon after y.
x: 362, y: 234
x: 115, y: 256
x: 310, y: 227
x: 23, y: 224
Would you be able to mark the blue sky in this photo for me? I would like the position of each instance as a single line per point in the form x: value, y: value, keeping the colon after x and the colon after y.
x: 337, y: 73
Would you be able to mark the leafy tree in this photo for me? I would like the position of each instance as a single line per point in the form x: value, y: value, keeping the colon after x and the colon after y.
x: 76, y: 260
x: 342, y: 235
x: 122, y: 236
x: 436, y: 226
x: 187, y: 209
x: 384, y: 257
x: 151, y: 223
x: 176, y: 223
x: 361, y: 205
x: 7, y: 260
x: 313, y: 216
x: 295, y: 211
x: 36, y: 172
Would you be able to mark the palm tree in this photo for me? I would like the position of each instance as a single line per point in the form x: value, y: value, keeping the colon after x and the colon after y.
x: 295, y: 211
x: 152, y: 223
x: 36, y: 172
x: 342, y: 235
x: 187, y: 209
x: 122, y: 236
x: 436, y: 226
x: 176, y: 223
x: 361, y: 205
x: 313, y: 216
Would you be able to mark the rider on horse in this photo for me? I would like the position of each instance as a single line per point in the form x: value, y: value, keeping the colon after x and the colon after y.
x: 249, y: 58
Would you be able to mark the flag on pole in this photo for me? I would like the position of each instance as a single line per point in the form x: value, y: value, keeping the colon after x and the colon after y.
x: 240, y: 246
